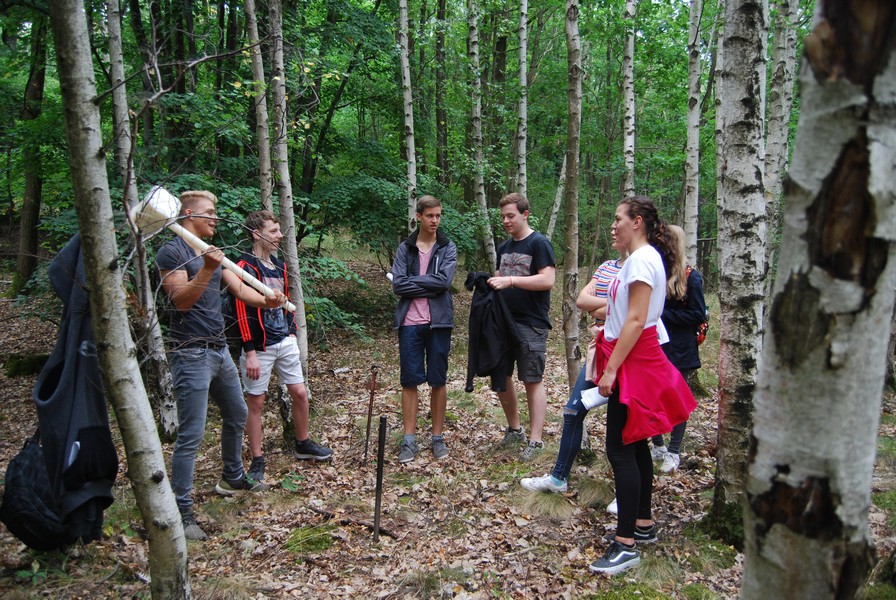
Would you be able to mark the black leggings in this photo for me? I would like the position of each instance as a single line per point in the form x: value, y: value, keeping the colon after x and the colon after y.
x: 632, y: 471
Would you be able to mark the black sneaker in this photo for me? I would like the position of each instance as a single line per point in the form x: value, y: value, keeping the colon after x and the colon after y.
x: 617, y: 559
x: 229, y: 488
x: 311, y: 450
x: 642, y: 535
x: 256, y: 469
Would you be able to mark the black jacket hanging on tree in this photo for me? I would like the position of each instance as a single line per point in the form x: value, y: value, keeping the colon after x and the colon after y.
x: 493, y: 334
x: 74, y: 423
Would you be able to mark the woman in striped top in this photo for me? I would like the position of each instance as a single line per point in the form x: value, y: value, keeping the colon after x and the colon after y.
x: 593, y: 300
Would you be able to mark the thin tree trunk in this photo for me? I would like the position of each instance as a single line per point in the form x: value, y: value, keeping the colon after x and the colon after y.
x: 780, y: 103
x: 522, y: 130
x: 156, y: 373
x: 692, y: 161
x: 558, y: 199
x: 408, y: 96
x: 442, y: 168
x: 31, y: 159
x: 742, y: 236
x: 115, y: 348
x: 806, y: 516
x: 628, y: 100
x: 571, y: 203
x: 260, y: 102
x: 485, y: 230
x: 280, y: 157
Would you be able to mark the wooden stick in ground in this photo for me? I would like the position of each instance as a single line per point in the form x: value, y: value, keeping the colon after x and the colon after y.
x: 372, y: 384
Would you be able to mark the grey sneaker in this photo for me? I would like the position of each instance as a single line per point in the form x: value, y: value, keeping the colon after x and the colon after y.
x: 256, y: 469
x: 531, y: 450
x: 512, y: 438
x: 229, y: 488
x: 311, y: 450
x: 192, y: 531
x: 407, y: 452
x: 439, y: 449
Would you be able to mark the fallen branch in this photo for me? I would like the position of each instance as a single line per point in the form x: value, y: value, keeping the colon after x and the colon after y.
x: 346, y: 521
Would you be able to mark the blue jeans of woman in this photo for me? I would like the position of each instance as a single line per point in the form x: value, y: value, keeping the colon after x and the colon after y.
x: 199, y: 373
x: 677, y: 434
x: 574, y: 414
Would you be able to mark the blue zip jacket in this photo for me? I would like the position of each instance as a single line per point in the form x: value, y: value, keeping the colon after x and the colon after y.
x: 434, y: 285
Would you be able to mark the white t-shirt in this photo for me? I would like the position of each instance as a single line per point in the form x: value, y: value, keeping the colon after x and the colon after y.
x: 645, y: 264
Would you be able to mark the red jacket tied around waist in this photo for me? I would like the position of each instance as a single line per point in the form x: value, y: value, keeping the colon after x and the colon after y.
x: 655, y: 393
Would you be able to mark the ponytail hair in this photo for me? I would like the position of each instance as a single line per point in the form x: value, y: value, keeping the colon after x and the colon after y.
x: 658, y: 234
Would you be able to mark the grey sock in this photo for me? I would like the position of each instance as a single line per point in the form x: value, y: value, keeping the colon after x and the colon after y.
x: 438, y: 438
x: 410, y: 438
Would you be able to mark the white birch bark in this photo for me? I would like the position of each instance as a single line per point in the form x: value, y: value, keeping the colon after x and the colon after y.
x: 116, y: 351
x: 260, y: 101
x: 817, y: 404
x: 558, y: 199
x: 522, y: 131
x: 485, y: 228
x: 628, y: 100
x: 692, y: 151
x: 155, y: 365
x: 571, y: 195
x: 280, y: 164
x: 742, y: 236
x: 408, y: 96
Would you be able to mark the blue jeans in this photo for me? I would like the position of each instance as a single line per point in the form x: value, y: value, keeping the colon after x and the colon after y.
x: 199, y: 373
x: 574, y: 414
x: 677, y: 435
x: 419, y: 344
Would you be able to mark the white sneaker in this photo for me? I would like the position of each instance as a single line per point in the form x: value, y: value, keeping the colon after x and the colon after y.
x: 545, y: 483
x: 613, y: 508
x: 658, y: 452
x: 670, y: 463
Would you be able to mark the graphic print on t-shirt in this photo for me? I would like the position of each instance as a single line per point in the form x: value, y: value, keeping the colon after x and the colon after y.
x: 516, y: 265
x: 274, y: 318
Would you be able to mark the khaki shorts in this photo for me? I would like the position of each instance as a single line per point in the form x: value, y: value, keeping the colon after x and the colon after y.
x: 283, y: 356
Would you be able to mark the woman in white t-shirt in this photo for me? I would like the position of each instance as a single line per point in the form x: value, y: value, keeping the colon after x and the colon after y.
x: 647, y: 395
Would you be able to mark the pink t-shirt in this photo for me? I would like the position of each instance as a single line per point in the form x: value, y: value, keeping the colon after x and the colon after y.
x: 418, y: 313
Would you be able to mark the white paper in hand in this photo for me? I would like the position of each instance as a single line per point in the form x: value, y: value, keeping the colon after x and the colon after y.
x: 591, y: 398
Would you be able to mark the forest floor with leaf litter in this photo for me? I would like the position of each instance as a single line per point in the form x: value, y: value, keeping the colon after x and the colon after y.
x: 461, y: 527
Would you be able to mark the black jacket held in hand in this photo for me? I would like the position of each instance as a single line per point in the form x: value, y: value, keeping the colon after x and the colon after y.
x: 493, y: 334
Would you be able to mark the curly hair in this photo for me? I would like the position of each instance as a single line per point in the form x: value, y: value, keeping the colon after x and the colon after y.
x: 658, y: 234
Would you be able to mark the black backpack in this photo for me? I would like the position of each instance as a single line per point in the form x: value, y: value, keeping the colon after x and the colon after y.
x: 29, y: 508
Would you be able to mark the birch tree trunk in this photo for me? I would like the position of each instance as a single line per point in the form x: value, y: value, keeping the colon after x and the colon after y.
x: 825, y: 349
x: 280, y: 158
x: 522, y: 129
x: 121, y: 375
x: 558, y: 199
x: 571, y: 204
x: 742, y: 235
x: 441, y: 107
x: 150, y: 343
x: 485, y: 233
x: 262, y: 134
x: 692, y: 152
x: 628, y: 100
x: 408, y: 95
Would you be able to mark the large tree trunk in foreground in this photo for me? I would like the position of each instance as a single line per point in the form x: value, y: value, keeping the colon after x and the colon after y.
x: 742, y: 235
x: 817, y: 405
x: 571, y: 204
x: 121, y: 375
